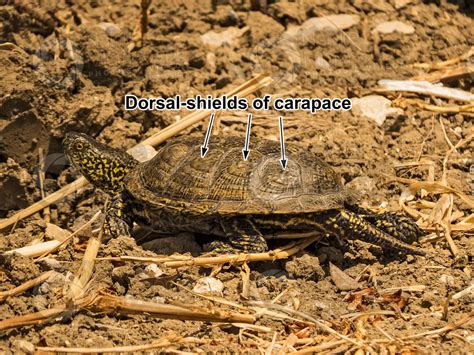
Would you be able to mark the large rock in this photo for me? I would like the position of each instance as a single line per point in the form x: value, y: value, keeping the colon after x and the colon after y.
x: 263, y: 27
x: 331, y: 23
x: 375, y: 108
x: 89, y: 111
x: 104, y: 61
x: 15, y: 186
x: 22, y: 138
x: 228, y: 37
x: 394, y: 26
x: 49, y: 94
x: 305, y: 266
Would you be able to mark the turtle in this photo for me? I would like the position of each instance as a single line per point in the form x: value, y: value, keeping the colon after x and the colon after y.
x: 238, y: 201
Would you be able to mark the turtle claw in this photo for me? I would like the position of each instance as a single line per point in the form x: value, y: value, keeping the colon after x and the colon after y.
x: 116, y: 224
x: 116, y: 227
x: 220, y: 247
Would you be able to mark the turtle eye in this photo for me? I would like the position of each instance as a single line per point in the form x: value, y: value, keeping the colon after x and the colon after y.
x: 79, y: 145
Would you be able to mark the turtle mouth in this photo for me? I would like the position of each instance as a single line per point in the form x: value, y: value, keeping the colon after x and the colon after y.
x: 68, y: 143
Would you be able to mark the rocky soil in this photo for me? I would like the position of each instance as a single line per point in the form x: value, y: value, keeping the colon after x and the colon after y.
x: 67, y: 68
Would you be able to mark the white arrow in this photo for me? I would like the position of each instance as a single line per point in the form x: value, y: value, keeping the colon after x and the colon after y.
x: 204, y: 147
x: 283, y: 160
x: 246, y: 150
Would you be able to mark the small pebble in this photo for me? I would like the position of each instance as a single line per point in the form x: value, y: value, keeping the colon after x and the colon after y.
x: 111, y: 29
x: 322, y: 63
x: 328, y: 23
x: 211, y: 60
x: 197, y: 62
x: 51, y: 264
x: 159, y: 299
x: 54, y: 232
x: 394, y: 26
x: 375, y: 108
x: 24, y: 346
x: 219, y: 39
x: 152, y: 270
x: 342, y: 281
x: 57, y: 281
x: 447, y: 279
x: 399, y: 4
x: 208, y: 285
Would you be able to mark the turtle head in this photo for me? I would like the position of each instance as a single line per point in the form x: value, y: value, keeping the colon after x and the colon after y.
x: 102, y: 166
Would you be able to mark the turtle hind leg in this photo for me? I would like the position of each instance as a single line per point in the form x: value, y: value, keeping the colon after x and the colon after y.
x: 242, y: 237
x: 393, y: 223
x: 351, y: 225
x: 399, y: 226
x: 117, y: 221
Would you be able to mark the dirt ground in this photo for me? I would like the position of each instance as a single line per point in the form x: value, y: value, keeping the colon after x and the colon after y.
x: 67, y: 68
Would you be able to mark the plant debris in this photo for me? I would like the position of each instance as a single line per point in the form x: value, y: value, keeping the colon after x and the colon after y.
x: 65, y: 287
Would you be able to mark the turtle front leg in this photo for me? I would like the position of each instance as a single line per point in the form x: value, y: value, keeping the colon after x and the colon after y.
x: 243, y: 237
x: 351, y: 225
x: 117, y: 223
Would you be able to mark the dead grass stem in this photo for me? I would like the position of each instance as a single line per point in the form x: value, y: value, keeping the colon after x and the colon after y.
x: 232, y: 259
x: 104, y: 303
x: 166, y: 342
x: 446, y: 63
x: 27, y: 285
x: 441, y: 331
x: 66, y: 240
